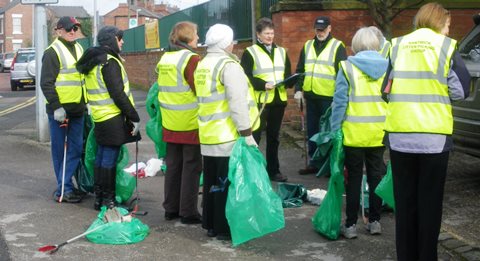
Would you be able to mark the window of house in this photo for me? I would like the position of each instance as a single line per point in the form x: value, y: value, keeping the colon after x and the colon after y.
x: 1, y: 23
x: 17, y: 23
x: 16, y: 44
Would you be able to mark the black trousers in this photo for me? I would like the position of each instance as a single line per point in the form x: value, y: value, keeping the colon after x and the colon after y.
x: 215, y: 175
x: 184, y: 165
x: 271, y: 121
x: 354, y: 160
x: 418, y: 184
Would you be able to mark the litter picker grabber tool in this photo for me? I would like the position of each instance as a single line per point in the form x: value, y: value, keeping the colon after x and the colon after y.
x: 111, y: 215
x: 134, y: 209
x: 65, y: 145
x: 51, y: 249
x: 304, y: 134
x: 261, y: 109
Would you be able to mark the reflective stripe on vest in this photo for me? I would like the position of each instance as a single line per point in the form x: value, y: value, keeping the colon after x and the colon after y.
x: 102, y: 105
x: 365, y: 114
x: 178, y: 104
x: 320, y: 70
x: 419, y: 98
x: 214, y: 119
x: 385, y: 51
x: 269, y: 71
x: 68, y: 84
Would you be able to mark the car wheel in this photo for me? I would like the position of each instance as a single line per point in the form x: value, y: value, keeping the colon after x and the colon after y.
x: 14, y: 86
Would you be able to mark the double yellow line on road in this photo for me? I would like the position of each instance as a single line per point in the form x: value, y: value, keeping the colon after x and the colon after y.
x: 18, y: 106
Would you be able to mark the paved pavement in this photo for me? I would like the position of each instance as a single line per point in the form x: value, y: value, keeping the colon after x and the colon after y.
x: 29, y: 218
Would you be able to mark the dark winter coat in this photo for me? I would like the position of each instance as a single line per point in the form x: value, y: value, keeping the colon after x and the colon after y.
x: 114, y: 131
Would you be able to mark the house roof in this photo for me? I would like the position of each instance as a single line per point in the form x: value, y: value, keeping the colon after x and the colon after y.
x: 144, y: 12
x: 73, y: 11
x: 9, y: 6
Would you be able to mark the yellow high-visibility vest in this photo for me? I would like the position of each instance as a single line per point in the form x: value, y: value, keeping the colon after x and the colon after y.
x: 320, y: 69
x: 102, y: 105
x: 385, y: 50
x: 269, y: 71
x: 214, y: 120
x: 68, y: 84
x: 178, y: 103
x: 365, y: 115
x: 419, y: 99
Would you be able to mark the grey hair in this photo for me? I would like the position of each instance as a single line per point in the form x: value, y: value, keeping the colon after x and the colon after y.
x: 377, y: 32
x: 365, y: 39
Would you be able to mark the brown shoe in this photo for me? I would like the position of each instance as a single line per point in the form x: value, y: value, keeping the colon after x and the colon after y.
x: 308, y: 170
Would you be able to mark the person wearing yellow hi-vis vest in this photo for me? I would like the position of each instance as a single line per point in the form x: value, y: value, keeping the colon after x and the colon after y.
x: 112, y: 109
x: 62, y: 86
x: 267, y: 64
x: 179, y: 110
x: 359, y: 110
x: 427, y: 73
x: 319, y: 60
x: 227, y: 110
x: 385, y: 45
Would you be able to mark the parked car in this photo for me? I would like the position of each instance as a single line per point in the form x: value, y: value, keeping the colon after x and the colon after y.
x: 6, y: 61
x: 22, y: 71
x: 466, y: 114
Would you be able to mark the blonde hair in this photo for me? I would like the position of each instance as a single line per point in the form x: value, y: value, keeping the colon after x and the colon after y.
x: 431, y: 15
x: 365, y: 39
x: 183, y: 32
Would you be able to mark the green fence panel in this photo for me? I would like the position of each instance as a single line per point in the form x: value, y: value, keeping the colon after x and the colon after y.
x: 85, y: 42
x: 236, y: 14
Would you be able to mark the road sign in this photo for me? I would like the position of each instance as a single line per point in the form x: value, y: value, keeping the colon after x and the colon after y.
x: 30, y: 2
x: 132, y: 23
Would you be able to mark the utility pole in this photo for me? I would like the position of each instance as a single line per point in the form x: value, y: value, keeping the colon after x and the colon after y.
x: 40, y: 45
x: 95, y: 22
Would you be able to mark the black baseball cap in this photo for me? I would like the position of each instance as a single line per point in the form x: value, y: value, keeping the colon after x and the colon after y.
x: 67, y: 23
x: 321, y: 22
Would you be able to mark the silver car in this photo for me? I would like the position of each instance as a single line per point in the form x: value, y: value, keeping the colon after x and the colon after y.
x: 6, y: 61
x: 22, y: 70
x: 466, y: 114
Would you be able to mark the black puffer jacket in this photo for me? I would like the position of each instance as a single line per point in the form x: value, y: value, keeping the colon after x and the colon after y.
x: 114, y: 131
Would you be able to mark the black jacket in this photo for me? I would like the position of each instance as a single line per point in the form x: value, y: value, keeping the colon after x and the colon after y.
x: 114, y: 131
x: 341, y: 55
x: 247, y: 63
x: 50, y: 71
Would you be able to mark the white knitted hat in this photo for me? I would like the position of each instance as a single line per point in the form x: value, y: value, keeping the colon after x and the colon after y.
x: 219, y: 35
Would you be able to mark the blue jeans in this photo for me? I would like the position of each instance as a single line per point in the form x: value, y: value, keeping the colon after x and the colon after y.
x: 107, y: 156
x: 74, y: 149
x: 315, y: 110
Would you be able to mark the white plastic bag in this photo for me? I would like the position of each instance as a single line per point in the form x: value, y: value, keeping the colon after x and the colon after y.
x: 316, y: 196
x: 153, y: 166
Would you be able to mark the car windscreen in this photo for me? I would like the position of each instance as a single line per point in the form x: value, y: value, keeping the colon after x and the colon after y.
x: 9, y: 55
x: 25, y: 57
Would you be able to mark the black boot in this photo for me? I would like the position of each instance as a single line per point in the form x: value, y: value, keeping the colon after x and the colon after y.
x: 109, y: 179
x: 97, y: 188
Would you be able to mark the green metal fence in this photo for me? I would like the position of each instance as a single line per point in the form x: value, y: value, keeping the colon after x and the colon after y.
x: 235, y: 13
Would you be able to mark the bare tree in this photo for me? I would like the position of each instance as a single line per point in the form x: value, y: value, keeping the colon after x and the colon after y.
x: 384, y: 11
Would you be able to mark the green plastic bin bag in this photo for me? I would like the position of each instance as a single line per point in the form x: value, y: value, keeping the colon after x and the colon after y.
x: 385, y: 188
x: 253, y: 209
x: 154, y: 124
x: 117, y: 233
x: 323, y: 140
x: 292, y: 195
x: 125, y: 182
x: 328, y: 218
